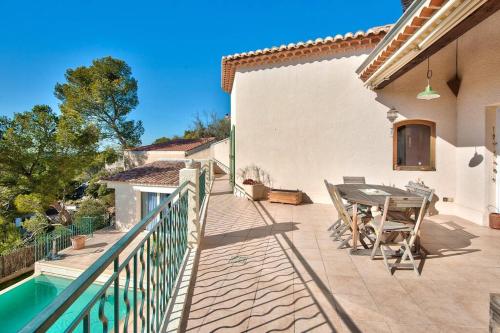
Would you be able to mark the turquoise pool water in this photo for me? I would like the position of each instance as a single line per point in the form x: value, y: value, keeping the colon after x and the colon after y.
x: 20, y: 304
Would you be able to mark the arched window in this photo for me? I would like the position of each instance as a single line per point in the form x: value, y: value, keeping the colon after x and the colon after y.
x: 414, y: 145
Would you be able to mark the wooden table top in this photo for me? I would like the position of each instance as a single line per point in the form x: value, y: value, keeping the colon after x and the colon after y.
x: 354, y: 193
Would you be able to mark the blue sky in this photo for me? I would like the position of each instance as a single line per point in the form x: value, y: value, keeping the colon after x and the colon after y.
x: 173, y: 47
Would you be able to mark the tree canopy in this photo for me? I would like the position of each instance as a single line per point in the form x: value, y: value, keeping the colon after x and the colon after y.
x: 40, y: 154
x: 213, y: 126
x: 104, y: 93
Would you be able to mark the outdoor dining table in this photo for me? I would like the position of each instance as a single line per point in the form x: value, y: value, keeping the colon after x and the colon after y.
x: 370, y: 195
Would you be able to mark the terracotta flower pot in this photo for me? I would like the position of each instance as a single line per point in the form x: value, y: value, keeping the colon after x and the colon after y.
x: 78, y: 242
x: 495, y: 220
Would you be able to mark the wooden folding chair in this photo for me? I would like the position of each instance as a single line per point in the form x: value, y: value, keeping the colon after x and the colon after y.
x: 337, y: 228
x: 387, y: 230
x: 420, y: 190
x: 345, y: 219
x: 354, y: 180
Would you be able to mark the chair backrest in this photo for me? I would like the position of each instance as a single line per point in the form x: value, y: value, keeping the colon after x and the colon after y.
x: 399, y: 202
x: 354, y: 180
x: 337, y: 202
x: 420, y: 190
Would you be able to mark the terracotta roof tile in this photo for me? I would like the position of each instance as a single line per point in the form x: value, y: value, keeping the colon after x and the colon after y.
x: 408, y: 30
x: 175, y: 145
x: 298, y: 50
x: 156, y: 173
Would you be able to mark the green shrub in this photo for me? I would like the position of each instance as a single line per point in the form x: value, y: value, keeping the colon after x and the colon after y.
x: 37, y: 224
x: 94, y: 209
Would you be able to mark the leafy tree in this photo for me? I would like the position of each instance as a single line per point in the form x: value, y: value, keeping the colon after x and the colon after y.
x: 26, y: 148
x: 41, y: 154
x: 162, y: 139
x: 92, y: 208
x: 37, y: 225
x: 10, y: 237
x: 104, y: 93
x: 214, y: 126
x: 29, y: 203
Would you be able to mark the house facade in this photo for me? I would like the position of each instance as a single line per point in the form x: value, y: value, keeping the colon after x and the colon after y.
x: 140, y: 190
x: 347, y: 106
x: 175, y: 150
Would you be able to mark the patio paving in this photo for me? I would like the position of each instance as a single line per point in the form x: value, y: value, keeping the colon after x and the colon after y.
x: 270, y: 267
x: 74, y: 262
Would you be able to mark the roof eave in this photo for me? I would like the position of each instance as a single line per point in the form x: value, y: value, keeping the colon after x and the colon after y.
x: 360, y: 39
x: 442, y: 21
x: 405, y: 18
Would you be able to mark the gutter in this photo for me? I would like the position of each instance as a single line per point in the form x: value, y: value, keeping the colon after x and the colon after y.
x: 407, y: 16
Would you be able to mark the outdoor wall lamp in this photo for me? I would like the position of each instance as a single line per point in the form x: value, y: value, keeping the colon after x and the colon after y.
x: 428, y: 92
x: 392, y: 115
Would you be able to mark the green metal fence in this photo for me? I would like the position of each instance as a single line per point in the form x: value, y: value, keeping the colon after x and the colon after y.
x: 232, y: 157
x: 203, y: 185
x: 150, y: 269
x: 62, y: 235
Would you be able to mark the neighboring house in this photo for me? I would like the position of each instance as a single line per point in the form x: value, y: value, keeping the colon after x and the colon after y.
x: 324, y: 109
x: 153, y: 174
x: 139, y: 190
x: 175, y: 149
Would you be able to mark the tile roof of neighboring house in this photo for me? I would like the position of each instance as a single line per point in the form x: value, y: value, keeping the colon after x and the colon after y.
x: 411, y: 21
x: 328, y: 45
x: 155, y: 173
x: 176, y: 145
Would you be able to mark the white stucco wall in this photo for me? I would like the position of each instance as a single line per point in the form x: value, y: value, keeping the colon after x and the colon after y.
x: 480, y: 69
x: 138, y: 158
x: 220, y: 151
x: 128, y: 202
x: 200, y: 155
x: 307, y: 121
x: 127, y: 205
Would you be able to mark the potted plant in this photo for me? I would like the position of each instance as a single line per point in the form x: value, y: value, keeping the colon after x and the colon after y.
x: 254, y: 189
x: 78, y: 242
x: 254, y: 179
x: 495, y: 219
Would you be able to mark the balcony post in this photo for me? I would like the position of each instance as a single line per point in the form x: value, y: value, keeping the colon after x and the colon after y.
x: 191, y: 174
x: 211, y: 173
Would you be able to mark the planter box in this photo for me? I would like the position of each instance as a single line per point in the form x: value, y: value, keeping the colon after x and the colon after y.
x: 77, y: 242
x: 494, y: 221
x: 255, y: 192
x: 293, y: 197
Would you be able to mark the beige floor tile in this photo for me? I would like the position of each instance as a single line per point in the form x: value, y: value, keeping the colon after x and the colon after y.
x: 296, y: 279
x: 226, y: 321
x: 417, y: 328
x: 361, y: 326
x: 271, y: 323
x: 348, y: 285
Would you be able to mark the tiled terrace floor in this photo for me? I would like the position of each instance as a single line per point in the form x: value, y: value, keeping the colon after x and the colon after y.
x: 272, y: 268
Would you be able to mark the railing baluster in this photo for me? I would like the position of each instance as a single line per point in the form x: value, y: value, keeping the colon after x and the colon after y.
x: 86, y: 323
x: 148, y: 286
x: 143, y: 291
x: 165, y: 249
x: 160, y: 255
x: 102, y: 314
x: 117, y: 296
x: 135, y: 293
x: 125, y: 297
x: 157, y: 282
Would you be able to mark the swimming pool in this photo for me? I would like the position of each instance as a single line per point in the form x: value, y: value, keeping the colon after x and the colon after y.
x: 20, y: 304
